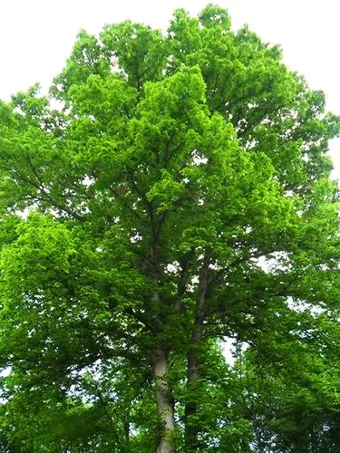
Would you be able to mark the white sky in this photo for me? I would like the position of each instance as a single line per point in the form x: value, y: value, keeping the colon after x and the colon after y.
x: 36, y: 36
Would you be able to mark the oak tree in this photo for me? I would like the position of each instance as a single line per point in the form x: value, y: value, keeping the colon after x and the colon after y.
x: 173, y: 191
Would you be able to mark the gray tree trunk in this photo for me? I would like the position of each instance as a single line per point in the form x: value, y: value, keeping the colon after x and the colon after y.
x: 164, y: 400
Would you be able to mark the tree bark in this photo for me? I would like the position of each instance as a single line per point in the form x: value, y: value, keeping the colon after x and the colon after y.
x: 164, y: 400
x: 191, y: 427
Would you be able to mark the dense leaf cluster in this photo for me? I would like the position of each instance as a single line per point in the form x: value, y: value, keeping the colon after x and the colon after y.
x: 172, y: 192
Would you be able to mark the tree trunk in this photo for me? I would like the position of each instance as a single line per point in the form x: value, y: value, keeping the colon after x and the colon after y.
x: 164, y: 401
x: 191, y: 426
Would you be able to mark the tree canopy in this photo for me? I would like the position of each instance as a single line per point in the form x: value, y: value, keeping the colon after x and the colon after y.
x: 172, y: 192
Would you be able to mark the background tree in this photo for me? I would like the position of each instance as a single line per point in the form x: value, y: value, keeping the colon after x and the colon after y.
x: 175, y: 191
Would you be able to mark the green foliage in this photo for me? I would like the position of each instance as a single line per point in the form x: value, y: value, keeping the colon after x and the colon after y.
x: 173, y: 191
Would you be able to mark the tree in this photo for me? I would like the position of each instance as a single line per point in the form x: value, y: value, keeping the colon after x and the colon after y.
x: 173, y: 191
x: 289, y: 391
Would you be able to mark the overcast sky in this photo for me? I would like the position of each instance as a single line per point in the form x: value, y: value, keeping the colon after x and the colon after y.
x: 36, y: 36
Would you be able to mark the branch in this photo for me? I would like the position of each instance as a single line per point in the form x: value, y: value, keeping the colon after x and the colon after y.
x: 46, y: 196
x: 183, y: 280
x: 127, y: 206
x: 219, y: 274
